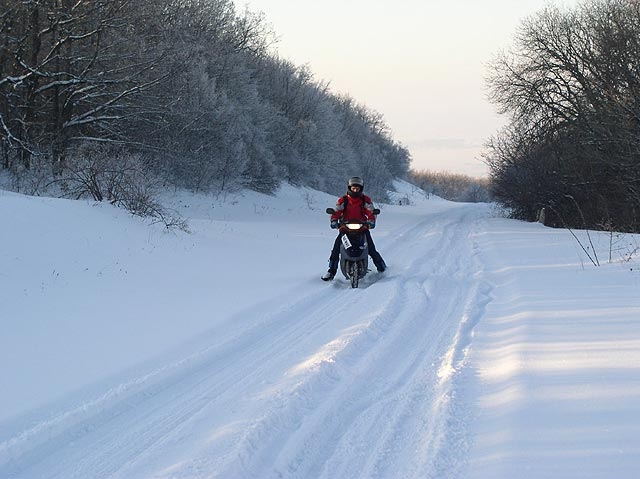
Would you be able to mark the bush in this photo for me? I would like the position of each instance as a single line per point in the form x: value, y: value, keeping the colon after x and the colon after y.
x: 108, y: 173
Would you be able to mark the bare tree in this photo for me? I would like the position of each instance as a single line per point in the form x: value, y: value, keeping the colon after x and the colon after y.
x: 571, y: 86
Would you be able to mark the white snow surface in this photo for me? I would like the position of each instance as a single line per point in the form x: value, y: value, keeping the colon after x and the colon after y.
x: 490, y: 348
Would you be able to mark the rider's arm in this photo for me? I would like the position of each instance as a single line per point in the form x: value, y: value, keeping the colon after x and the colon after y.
x: 339, y: 209
x: 368, y: 209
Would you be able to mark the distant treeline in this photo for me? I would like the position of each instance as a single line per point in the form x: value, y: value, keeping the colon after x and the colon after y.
x: 104, y: 98
x: 571, y: 88
x: 451, y: 186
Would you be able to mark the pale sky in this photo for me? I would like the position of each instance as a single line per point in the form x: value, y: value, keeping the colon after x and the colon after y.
x: 420, y: 63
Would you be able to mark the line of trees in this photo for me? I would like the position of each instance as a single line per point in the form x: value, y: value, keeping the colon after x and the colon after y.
x: 452, y: 186
x: 180, y: 92
x: 571, y: 88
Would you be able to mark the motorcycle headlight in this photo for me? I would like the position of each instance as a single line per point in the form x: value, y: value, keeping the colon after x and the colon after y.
x: 353, y: 226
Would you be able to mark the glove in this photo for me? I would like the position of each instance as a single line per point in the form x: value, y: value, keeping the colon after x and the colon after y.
x: 371, y: 224
x: 335, y: 224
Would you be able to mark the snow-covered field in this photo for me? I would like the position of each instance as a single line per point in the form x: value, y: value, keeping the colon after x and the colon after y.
x: 491, y: 348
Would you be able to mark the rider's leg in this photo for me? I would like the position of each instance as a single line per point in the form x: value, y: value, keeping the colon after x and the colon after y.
x: 334, y: 260
x: 375, y: 256
x: 335, y: 251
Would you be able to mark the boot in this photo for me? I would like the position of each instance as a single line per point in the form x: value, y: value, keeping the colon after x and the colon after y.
x: 331, y: 273
x: 379, y: 262
x: 328, y: 276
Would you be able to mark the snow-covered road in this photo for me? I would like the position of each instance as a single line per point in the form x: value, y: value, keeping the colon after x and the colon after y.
x: 136, y: 359
x: 328, y: 382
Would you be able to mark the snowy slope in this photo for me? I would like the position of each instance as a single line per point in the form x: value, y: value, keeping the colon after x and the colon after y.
x: 490, y: 348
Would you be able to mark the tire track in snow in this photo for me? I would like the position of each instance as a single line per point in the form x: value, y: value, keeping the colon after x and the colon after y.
x: 120, y: 426
x: 384, y: 400
x: 359, y: 385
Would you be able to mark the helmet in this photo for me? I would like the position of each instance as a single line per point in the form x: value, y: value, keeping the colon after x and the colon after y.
x: 356, y: 181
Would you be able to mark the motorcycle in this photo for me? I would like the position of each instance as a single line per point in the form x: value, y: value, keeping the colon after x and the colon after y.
x: 354, y: 251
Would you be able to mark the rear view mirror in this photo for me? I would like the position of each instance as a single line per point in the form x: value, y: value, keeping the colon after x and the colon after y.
x: 330, y: 211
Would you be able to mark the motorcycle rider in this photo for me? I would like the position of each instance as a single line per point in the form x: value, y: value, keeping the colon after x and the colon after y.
x: 355, y: 205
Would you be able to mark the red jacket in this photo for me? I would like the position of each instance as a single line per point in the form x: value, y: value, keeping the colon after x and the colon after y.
x: 359, y: 208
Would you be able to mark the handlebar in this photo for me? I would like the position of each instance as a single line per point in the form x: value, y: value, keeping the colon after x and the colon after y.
x: 331, y: 211
x: 352, y: 225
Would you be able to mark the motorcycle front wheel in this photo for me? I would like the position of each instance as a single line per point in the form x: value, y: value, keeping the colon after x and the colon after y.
x: 354, y: 273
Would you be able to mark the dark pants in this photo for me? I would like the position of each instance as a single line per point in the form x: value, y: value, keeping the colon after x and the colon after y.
x: 335, y: 252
